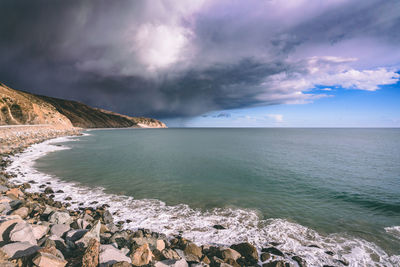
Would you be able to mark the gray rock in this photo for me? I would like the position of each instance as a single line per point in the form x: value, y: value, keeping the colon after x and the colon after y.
x: 58, y: 217
x: 82, y: 224
x: 19, y: 249
x: 7, y: 223
x: 110, y: 255
x: 172, y: 263
x: 3, y: 189
x: 107, y: 217
x: 22, y: 232
x: 92, y: 233
x: 40, y: 230
x: 15, y: 204
x: 23, y: 212
x: 59, y: 229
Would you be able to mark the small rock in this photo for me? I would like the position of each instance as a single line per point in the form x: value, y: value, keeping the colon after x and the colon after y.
x: 219, y: 227
x: 170, y: 254
x: 48, y: 190
x: 331, y: 253
x: 110, y: 255
x: 265, y: 256
x: 122, y: 264
x: 171, y: 263
x: 3, y: 189
x: 107, y: 217
x: 48, y: 260
x: 39, y: 230
x: 59, y: 229
x: 19, y: 249
x: 59, y: 191
x: 91, y: 256
x: 160, y: 244
x: 22, y: 212
x: 141, y: 256
x: 15, y: 204
x: 68, y: 198
x: 58, y: 217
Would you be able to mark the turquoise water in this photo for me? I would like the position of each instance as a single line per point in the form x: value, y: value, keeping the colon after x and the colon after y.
x: 331, y: 180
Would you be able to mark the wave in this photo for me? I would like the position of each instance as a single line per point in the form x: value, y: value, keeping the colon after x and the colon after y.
x: 197, y: 225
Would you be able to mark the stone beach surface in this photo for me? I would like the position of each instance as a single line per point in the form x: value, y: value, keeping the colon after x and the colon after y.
x: 36, y: 230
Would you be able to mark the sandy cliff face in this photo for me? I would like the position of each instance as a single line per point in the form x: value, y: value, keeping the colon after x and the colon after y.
x: 17, y: 108
x: 21, y: 108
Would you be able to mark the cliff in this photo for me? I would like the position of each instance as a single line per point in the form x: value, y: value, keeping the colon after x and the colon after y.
x: 22, y: 108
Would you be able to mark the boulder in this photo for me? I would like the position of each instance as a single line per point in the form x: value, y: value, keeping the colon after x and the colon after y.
x: 39, y: 230
x: 74, y: 235
x: 19, y: 249
x: 48, y: 190
x: 23, y: 212
x: 192, y: 252
x: 15, y: 192
x: 300, y: 261
x: 93, y: 233
x: 15, y: 204
x: 248, y: 251
x: 107, y: 217
x: 23, y: 232
x: 141, y: 256
x: 91, y: 256
x: 171, y: 263
x: 48, y: 260
x: 229, y: 253
x: 59, y: 229
x: 7, y: 223
x: 58, y: 217
x: 3, y: 189
x: 109, y: 255
x: 265, y: 256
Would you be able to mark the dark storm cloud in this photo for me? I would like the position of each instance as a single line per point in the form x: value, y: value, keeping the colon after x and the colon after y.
x: 184, y: 58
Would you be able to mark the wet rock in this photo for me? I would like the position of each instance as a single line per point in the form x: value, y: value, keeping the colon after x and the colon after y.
x: 26, y: 185
x: 109, y: 255
x: 48, y: 260
x: 219, y: 227
x: 276, y: 264
x: 39, y: 230
x: 141, y: 256
x: 300, y: 261
x: 248, y: 251
x: 331, y: 253
x: 192, y: 252
x: 273, y: 250
x: 59, y: 191
x: 58, y: 217
x: 171, y: 263
x: 48, y: 190
x: 59, y: 229
x: 265, y: 256
x: 22, y: 212
x: 68, y: 198
x: 93, y: 233
x: 91, y: 256
x: 19, y: 249
x: 22, y: 232
x: 121, y: 239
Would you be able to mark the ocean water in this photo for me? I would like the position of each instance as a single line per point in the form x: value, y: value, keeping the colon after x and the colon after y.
x: 338, y: 189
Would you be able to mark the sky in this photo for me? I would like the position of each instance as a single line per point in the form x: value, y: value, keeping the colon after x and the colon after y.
x: 208, y: 63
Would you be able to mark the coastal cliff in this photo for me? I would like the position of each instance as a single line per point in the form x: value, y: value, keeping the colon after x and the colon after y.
x: 22, y: 108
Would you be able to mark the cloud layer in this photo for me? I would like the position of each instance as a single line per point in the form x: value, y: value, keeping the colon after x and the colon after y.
x: 184, y: 58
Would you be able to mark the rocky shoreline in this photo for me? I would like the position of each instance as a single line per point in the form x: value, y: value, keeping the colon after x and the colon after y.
x: 36, y: 230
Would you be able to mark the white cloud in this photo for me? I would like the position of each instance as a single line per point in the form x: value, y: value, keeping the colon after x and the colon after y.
x: 276, y: 117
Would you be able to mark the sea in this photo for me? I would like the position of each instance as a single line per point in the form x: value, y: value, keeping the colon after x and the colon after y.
x: 326, y: 195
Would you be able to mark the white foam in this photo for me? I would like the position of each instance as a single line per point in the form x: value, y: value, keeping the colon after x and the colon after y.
x: 394, y: 231
x: 196, y: 225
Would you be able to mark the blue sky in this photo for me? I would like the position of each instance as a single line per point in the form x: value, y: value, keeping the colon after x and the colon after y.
x: 344, y: 108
